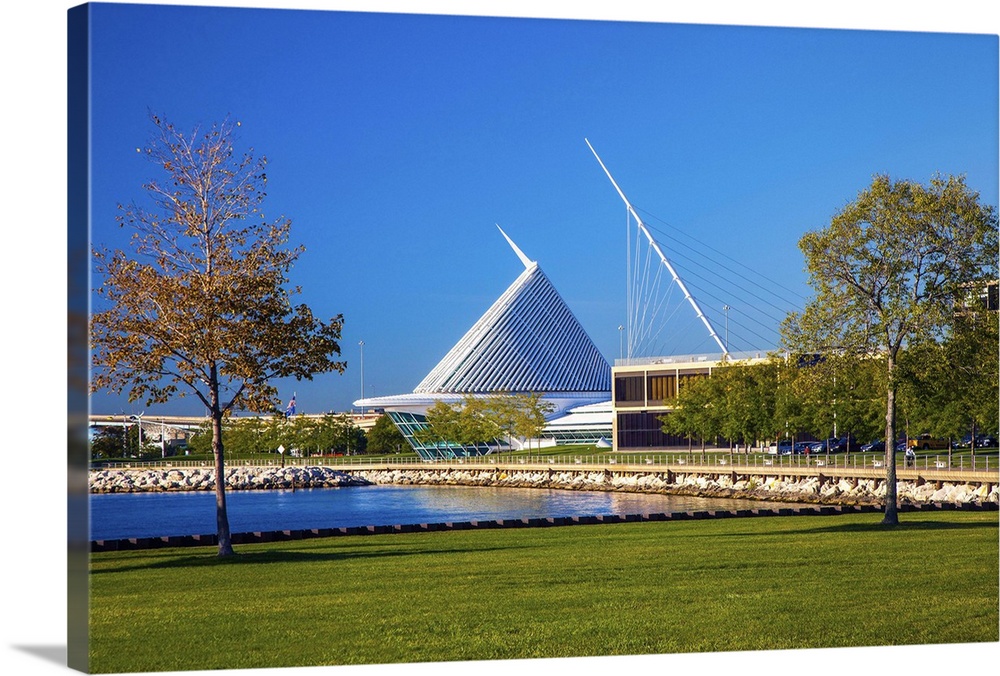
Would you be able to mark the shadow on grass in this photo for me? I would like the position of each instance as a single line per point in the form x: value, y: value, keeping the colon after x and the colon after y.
x: 209, y: 559
x: 876, y: 527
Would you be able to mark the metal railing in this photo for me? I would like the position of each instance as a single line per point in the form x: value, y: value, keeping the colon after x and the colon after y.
x: 610, y: 461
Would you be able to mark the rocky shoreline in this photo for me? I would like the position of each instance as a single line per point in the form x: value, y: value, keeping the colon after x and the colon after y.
x: 810, y: 490
x: 237, y: 479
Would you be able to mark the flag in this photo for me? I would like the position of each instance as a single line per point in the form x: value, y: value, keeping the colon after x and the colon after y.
x: 290, y: 410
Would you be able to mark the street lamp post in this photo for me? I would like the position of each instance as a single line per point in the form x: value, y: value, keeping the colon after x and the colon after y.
x: 621, y: 348
x: 138, y: 421
x: 725, y: 308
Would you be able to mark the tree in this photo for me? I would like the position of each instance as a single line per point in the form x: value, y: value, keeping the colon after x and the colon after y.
x: 347, y: 437
x: 201, y: 440
x: 950, y: 386
x: 837, y: 395
x: 464, y: 424
x: 887, y: 270
x: 748, y: 403
x: 443, y: 425
x: 697, y: 411
x: 384, y: 437
x: 517, y: 415
x: 475, y: 426
x: 481, y: 420
x: 529, y: 414
x: 109, y: 442
x: 248, y: 435
x: 200, y: 305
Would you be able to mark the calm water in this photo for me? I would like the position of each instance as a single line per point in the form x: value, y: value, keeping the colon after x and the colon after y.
x: 128, y: 515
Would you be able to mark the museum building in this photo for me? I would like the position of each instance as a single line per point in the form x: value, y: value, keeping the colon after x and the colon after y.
x: 527, y: 342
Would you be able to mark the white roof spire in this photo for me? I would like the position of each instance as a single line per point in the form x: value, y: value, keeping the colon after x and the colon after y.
x: 520, y: 254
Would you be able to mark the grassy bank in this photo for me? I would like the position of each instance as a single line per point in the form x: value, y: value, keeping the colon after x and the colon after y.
x: 723, y: 585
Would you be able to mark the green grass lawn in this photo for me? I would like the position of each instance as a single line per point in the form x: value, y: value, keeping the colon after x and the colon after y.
x: 637, y: 588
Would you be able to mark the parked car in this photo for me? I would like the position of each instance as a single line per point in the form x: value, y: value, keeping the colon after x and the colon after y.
x: 875, y: 446
x: 785, y: 447
x: 927, y: 442
x: 878, y: 446
x: 982, y: 441
x: 833, y: 445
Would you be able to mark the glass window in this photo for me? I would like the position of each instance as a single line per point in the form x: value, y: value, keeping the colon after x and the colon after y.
x: 642, y: 430
x: 628, y: 389
x: 662, y: 388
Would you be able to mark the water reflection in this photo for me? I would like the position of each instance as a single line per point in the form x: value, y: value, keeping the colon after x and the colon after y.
x: 126, y: 515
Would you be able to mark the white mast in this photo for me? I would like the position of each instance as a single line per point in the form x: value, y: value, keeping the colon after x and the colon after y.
x: 663, y: 258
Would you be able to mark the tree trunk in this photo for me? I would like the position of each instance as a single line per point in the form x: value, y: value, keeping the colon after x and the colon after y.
x: 890, y: 518
x: 221, y: 515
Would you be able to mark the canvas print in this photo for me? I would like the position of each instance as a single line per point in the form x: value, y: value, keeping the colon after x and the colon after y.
x: 408, y: 339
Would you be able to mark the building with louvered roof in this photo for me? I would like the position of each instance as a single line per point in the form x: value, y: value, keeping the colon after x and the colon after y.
x: 528, y: 341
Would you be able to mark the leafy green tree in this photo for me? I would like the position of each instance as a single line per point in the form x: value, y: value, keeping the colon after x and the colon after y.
x: 520, y: 415
x: 530, y: 414
x: 465, y: 424
x: 840, y: 396
x: 698, y: 411
x: 384, y: 437
x: 109, y: 442
x: 482, y: 420
x: 950, y: 386
x: 346, y: 436
x: 201, y: 305
x: 506, y: 414
x: 475, y: 424
x: 886, y: 271
x: 123, y: 442
x: 249, y: 435
x: 748, y: 394
x: 201, y: 441
x: 443, y: 425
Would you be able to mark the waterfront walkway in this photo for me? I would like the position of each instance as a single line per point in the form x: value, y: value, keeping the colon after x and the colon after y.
x: 857, y: 466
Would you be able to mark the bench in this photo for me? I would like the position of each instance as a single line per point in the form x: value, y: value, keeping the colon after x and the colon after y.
x: 878, y: 463
x: 941, y: 464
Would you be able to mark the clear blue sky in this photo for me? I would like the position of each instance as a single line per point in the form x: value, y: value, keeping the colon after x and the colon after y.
x: 396, y: 142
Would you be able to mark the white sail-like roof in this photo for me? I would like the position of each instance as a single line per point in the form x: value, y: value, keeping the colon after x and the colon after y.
x: 527, y: 341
